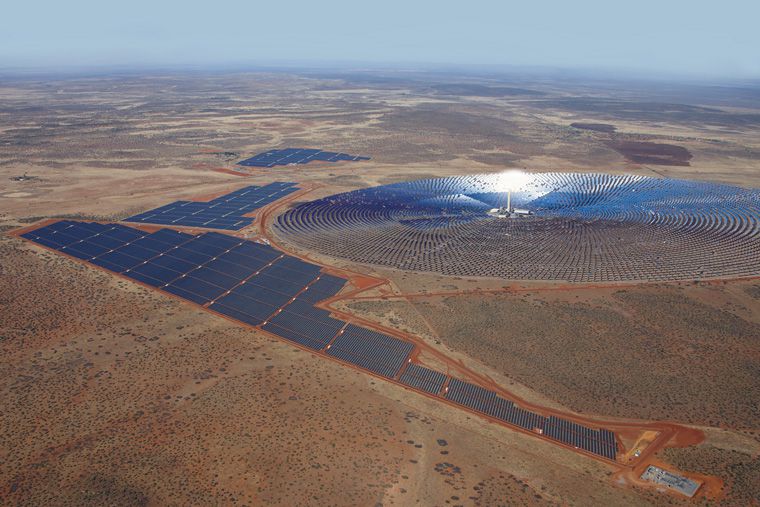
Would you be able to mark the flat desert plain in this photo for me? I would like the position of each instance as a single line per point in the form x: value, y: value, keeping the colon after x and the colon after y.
x: 114, y: 394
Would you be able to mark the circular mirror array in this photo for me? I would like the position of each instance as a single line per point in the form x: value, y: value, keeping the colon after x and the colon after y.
x: 548, y: 226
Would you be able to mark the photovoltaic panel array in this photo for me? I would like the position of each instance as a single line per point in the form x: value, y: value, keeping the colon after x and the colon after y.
x: 600, y: 442
x: 371, y: 350
x: 257, y: 285
x: 326, y: 287
x: 288, y: 156
x: 423, y: 378
x: 225, y: 212
x: 300, y: 321
x: 247, y: 281
x: 470, y: 395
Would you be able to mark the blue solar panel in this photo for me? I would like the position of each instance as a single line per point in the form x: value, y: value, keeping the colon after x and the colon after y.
x: 322, y: 289
x: 81, y: 230
x: 330, y: 281
x: 76, y: 253
x: 295, y: 277
x: 306, y: 309
x: 470, y: 395
x: 314, y: 296
x: 87, y: 248
x: 173, y: 263
x: 109, y: 242
x: 93, y: 227
x: 57, y: 226
x: 137, y: 252
x: 170, y: 236
x: 242, y: 304
x: 287, y: 156
x: 185, y: 294
x: 282, y: 285
x: 224, y: 212
x: 187, y: 264
x: 117, y: 268
x: 203, y: 289
x: 36, y: 233
x: 228, y: 225
x: 152, y: 244
x: 66, y: 237
x: 50, y: 238
x: 374, y: 351
x: 221, y: 240
x: 233, y: 257
x: 140, y: 277
x: 293, y: 336
x: 214, y: 277
x: 423, y: 378
x: 124, y: 233
x: 261, y: 293
x: 45, y: 242
x: 234, y: 269
x: 316, y: 331
x: 257, y: 251
x: 236, y: 314
x: 157, y: 272
x: 208, y: 245
x: 501, y: 409
x: 116, y: 261
x: 187, y: 254
x: 300, y: 266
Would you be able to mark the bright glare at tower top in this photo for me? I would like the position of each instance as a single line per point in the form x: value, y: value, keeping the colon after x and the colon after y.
x: 512, y: 180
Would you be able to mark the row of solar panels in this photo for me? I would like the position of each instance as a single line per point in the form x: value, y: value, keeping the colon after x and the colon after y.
x: 287, y: 156
x: 600, y: 442
x: 257, y: 285
x: 225, y: 212
x: 247, y: 281
x: 373, y: 351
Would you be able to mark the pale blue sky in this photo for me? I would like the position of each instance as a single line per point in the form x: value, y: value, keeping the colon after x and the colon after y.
x: 710, y: 38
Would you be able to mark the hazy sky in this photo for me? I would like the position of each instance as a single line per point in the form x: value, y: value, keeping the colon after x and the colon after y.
x: 699, y: 37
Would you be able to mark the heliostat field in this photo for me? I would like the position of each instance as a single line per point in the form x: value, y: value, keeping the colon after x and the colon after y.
x: 552, y: 226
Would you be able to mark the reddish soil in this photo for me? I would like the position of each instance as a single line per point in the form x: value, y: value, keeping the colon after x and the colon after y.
x: 667, y: 431
x: 228, y: 171
x: 363, y: 283
x: 118, y: 395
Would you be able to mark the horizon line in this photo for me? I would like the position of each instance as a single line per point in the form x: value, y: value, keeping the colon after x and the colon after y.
x: 355, y: 66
